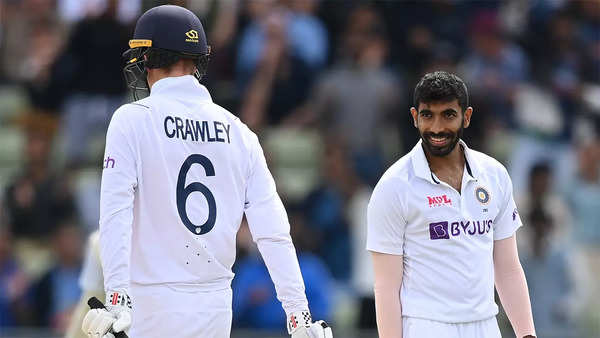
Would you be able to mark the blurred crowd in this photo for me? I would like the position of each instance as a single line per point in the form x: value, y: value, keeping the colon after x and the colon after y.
x: 327, y: 85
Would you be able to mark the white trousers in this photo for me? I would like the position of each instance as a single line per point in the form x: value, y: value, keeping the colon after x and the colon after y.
x: 424, y: 328
x: 165, y: 311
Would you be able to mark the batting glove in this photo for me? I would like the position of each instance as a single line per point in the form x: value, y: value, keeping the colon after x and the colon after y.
x: 300, y: 325
x: 116, y: 317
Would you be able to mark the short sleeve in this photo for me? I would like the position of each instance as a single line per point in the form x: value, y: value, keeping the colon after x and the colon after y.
x: 508, y: 220
x: 386, y: 223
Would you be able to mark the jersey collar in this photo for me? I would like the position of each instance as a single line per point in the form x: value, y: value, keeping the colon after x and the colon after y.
x: 181, y: 86
x: 421, y: 166
x: 470, y: 163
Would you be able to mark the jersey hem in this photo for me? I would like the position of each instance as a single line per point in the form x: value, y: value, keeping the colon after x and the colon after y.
x: 456, y: 321
x: 185, y: 287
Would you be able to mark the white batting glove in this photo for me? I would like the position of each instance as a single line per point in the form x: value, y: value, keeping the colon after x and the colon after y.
x: 97, y: 323
x: 116, y: 317
x: 300, y: 325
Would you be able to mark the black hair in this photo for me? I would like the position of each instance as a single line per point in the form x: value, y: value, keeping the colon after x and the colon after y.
x: 163, y: 58
x: 441, y: 86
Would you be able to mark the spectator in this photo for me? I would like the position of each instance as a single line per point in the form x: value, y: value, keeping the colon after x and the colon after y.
x: 420, y: 39
x: 91, y: 282
x: 276, y: 66
x: 584, y: 196
x: 494, y: 66
x: 328, y: 213
x: 223, y: 20
x: 362, y: 265
x: 557, y: 96
x: 255, y: 303
x: 551, y: 285
x: 542, y: 195
x: 46, y: 42
x: 37, y: 198
x: 589, y: 31
x: 13, y: 284
x: 299, y: 25
x: 88, y: 76
x: 355, y: 100
x: 72, y: 11
x: 305, y: 26
x: 24, y: 24
x: 55, y: 295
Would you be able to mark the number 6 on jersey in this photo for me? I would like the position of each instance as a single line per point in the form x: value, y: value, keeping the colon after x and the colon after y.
x: 184, y: 191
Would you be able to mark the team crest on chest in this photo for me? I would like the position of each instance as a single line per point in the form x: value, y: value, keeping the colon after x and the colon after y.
x: 482, y: 195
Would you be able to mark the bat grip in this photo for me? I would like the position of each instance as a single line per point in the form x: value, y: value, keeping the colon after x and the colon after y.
x: 95, y: 303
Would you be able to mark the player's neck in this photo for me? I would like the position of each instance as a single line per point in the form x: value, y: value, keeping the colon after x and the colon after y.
x: 178, y: 69
x: 453, y: 161
x: 159, y: 76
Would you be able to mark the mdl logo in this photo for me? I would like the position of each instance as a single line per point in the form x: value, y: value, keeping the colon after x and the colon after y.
x: 438, y: 201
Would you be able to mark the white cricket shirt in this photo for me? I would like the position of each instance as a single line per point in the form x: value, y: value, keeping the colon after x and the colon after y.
x: 179, y: 174
x: 446, y: 238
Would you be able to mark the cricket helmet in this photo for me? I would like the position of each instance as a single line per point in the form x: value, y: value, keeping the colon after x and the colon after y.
x: 164, y: 35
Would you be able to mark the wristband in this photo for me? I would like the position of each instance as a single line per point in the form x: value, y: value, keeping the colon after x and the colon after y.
x: 298, y: 319
x: 116, y: 298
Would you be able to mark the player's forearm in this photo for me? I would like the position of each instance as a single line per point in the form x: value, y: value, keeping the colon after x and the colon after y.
x: 270, y: 229
x: 116, y: 218
x: 512, y: 287
x: 388, y: 270
x: 115, y: 248
x: 389, y: 313
x: 280, y: 258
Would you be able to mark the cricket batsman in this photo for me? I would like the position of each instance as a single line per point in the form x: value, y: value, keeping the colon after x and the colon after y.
x: 179, y: 174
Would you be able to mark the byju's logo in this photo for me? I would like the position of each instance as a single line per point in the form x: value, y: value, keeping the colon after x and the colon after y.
x: 444, y: 230
x: 439, y: 230
x: 438, y: 201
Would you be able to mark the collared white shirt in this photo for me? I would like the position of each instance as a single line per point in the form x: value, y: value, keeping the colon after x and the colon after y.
x: 179, y: 174
x: 446, y: 237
